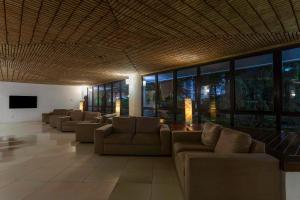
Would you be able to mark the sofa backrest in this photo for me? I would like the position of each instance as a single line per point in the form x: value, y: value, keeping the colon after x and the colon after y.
x: 210, y: 134
x: 257, y: 147
x: 233, y: 141
x: 76, y: 116
x: 91, y: 116
x: 59, y: 111
x: 147, y: 125
x: 123, y: 125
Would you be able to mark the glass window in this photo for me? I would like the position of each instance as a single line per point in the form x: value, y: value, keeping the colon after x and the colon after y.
x: 108, y: 91
x: 149, y: 95
x: 101, y: 99
x: 290, y: 124
x: 90, y: 99
x: 124, y: 98
x: 116, y: 94
x: 215, y: 90
x: 254, y: 83
x: 291, y: 80
x: 186, y: 87
x: 257, y: 121
x: 95, y: 98
x: 219, y: 118
x: 165, y: 96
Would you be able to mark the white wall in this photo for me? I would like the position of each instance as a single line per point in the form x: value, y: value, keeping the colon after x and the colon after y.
x: 49, y: 98
x: 135, y: 95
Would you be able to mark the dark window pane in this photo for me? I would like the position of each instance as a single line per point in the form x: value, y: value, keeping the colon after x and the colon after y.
x: 108, y: 98
x: 124, y: 98
x: 291, y: 80
x: 290, y: 124
x: 220, y: 118
x: 186, y: 84
x: 165, y: 96
x: 116, y: 94
x: 215, y: 88
x: 95, y: 98
x: 90, y: 98
x: 254, y: 83
x: 265, y: 122
x: 149, y: 93
x: 101, y: 98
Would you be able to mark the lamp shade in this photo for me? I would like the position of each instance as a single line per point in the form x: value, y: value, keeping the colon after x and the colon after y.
x: 188, y: 110
x: 118, y: 106
x: 81, y: 105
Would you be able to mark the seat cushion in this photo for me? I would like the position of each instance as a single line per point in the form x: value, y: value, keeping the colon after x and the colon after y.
x: 76, y: 116
x: 184, y: 146
x: 124, y: 125
x: 70, y: 123
x: 147, y: 124
x: 91, y: 116
x: 210, y: 134
x: 117, y: 138
x: 147, y: 139
x: 233, y: 141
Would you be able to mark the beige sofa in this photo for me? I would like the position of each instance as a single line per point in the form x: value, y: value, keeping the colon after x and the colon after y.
x: 54, y: 118
x: 46, y: 116
x: 133, y: 136
x: 84, y: 131
x: 224, y: 164
x: 69, y: 123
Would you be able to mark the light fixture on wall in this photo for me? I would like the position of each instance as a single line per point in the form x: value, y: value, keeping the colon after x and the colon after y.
x: 118, y: 107
x: 144, y: 83
x: 127, y: 81
x: 188, y: 110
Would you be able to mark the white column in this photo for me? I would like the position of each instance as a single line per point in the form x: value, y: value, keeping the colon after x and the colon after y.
x: 292, y: 185
x: 135, y: 95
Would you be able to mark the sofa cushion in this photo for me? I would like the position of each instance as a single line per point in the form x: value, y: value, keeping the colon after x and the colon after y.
x: 147, y: 124
x: 59, y: 111
x: 91, y: 116
x: 70, y: 123
x: 117, y: 138
x: 233, y: 141
x: 184, y: 146
x: 210, y: 134
x: 76, y: 116
x: 123, y: 125
x: 147, y: 139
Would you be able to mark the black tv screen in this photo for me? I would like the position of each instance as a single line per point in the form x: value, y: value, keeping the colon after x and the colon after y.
x: 22, y: 102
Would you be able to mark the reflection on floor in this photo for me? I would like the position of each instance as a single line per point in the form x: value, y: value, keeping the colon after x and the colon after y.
x: 38, y: 162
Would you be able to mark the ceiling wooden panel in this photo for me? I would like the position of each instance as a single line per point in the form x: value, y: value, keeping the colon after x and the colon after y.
x: 94, y: 41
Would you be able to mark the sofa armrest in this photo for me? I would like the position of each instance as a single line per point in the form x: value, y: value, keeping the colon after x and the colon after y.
x: 60, y: 121
x: 85, y: 131
x: 232, y: 176
x: 165, y: 138
x: 100, y: 134
x: 184, y: 136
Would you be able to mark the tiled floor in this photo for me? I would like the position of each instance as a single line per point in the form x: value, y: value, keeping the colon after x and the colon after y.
x: 38, y: 162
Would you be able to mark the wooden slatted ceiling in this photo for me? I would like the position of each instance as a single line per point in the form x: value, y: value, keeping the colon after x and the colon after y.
x: 94, y: 41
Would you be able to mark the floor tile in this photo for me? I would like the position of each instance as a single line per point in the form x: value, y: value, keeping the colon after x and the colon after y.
x: 166, y: 192
x: 126, y: 190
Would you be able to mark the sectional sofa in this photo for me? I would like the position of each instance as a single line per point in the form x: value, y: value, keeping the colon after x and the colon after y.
x: 219, y: 163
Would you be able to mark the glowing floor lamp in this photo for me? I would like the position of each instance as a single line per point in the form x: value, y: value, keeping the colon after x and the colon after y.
x: 188, y: 110
x: 118, y: 107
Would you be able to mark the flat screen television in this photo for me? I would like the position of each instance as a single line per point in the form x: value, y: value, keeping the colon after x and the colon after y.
x: 22, y: 102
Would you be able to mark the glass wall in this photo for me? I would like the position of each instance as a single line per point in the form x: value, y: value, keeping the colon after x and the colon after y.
x: 186, y: 88
x: 165, y: 97
x: 260, y: 91
x: 215, y: 93
x: 95, y: 98
x: 116, y: 94
x: 149, y: 95
x: 101, y: 99
x: 291, y: 90
x: 124, y: 98
x: 90, y: 98
x: 108, y: 93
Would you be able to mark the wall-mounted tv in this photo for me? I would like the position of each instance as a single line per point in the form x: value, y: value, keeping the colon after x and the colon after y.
x: 22, y: 102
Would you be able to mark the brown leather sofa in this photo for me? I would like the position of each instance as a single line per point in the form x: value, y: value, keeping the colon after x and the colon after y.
x: 46, y: 116
x: 133, y: 136
x: 69, y: 123
x: 224, y: 164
